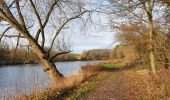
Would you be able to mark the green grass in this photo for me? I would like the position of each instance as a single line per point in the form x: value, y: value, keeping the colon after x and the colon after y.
x: 84, y: 89
x: 109, y: 66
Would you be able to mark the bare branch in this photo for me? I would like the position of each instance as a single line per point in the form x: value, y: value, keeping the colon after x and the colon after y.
x: 20, y: 14
x: 62, y: 26
x: 12, y: 36
x: 7, y: 10
x: 130, y: 11
x: 15, y: 24
x: 57, y: 54
x: 7, y: 18
x: 47, y: 19
x: 17, y: 42
x: 11, y: 4
x: 4, y: 33
x: 40, y: 22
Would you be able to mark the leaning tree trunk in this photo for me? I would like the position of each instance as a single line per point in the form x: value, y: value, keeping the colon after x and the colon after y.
x: 49, y: 66
x: 8, y: 17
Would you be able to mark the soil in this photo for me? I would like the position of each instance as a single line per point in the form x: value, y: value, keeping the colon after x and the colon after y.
x: 104, y: 91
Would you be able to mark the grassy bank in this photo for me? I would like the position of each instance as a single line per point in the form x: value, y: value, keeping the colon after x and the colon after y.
x: 60, y: 89
x: 109, y: 66
x: 75, y: 86
x: 123, y: 84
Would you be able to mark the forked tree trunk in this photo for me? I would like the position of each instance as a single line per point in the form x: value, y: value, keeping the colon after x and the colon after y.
x: 51, y: 69
x: 8, y: 16
x: 49, y: 66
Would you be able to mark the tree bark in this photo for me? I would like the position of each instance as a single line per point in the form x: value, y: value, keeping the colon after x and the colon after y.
x: 149, y: 10
x: 8, y: 15
x: 151, y: 44
x: 49, y: 66
x: 51, y: 69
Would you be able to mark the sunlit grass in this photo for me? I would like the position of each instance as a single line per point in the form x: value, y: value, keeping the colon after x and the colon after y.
x: 109, y: 66
x: 85, y: 88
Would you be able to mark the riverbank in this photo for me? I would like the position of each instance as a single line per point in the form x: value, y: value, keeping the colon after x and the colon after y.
x: 8, y: 62
x: 122, y: 84
x: 106, y: 80
x: 58, y: 89
x: 67, y: 85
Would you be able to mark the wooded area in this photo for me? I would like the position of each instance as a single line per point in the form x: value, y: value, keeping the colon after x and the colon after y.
x: 142, y: 30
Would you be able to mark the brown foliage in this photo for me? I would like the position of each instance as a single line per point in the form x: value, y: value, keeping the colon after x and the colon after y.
x: 96, y: 54
x: 131, y: 85
x: 124, y: 54
x: 16, y: 56
x: 136, y: 35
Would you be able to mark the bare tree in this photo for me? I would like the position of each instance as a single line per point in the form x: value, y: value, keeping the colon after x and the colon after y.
x: 148, y: 7
x: 37, y: 21
x: 140, y: 11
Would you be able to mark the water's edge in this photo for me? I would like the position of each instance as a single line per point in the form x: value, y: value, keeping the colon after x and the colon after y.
x: 24, y: 76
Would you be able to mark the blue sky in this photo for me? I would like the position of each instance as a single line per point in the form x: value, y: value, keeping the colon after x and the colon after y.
x: 97, y: 37
x: 97, y: 1
x: 82, y: 42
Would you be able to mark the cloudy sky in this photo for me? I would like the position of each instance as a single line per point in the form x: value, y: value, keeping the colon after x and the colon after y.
x: 98, y: 36
x: 103, y: 40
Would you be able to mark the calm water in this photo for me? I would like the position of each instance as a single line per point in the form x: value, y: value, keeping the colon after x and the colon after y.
x: 18, y: 76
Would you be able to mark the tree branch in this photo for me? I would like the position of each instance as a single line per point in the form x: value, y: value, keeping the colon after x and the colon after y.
x: 17, y: 42
x: 39, y: 21
x: 4, y: 33
x: 62, y: 26
x: 127, y: 9
x: 20, y: 14
x: 10, y: 5
x: 57, y: 54
x: 47, y: 19
x: 12, y: 36
x: 7, y: 10
x: 9, y: 20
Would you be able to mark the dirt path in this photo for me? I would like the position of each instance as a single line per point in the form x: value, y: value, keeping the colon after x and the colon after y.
x: 105, y: 90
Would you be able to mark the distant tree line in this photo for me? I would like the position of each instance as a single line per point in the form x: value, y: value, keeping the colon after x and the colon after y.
x: 24, y: 55
x: 16, y: 56
x: 96, y: 54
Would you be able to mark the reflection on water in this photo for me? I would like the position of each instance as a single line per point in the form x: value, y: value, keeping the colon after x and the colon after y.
x: 26, y: 75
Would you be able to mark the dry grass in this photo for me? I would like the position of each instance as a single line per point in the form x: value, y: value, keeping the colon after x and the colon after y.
x: 142, y: 85
x: 53, y: 91
x: 127, y: 85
